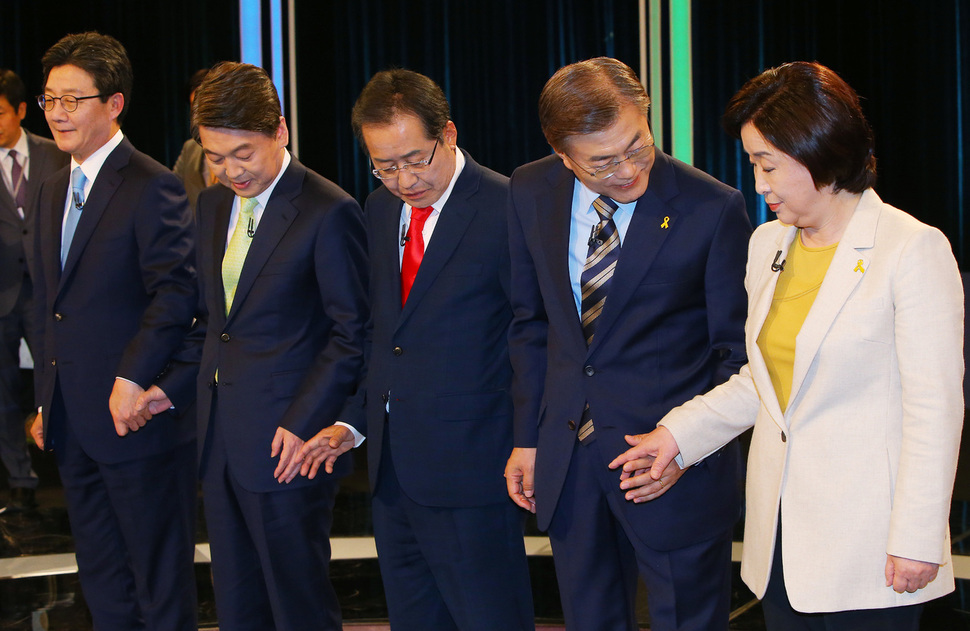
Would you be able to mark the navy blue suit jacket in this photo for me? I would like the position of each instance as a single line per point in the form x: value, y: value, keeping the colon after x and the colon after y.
x: 672, y: 327
x: 291, y: 350
x: 122, y: 304
x: 443, y: 357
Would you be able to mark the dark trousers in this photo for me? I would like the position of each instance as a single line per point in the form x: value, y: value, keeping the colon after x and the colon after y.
x: 270, y: 551
x: 450, y: 568
x: 134, y: 527
x: 598, y: 556
x: 13, y: 437
x: 779, y: 615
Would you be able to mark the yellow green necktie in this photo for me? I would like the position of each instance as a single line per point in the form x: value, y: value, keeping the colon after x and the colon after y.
x: 239, y: 244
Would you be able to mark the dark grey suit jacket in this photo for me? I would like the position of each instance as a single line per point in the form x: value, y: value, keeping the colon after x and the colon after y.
x: 16, y: 239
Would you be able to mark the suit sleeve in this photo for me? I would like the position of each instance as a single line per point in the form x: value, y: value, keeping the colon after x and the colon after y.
x: 928, y: 329
x: 340, y: 263
x: 528, y: 331
x: 165, y: 251
x: 724, y: 287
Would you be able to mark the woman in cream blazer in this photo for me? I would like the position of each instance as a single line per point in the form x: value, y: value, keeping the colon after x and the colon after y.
x: 858, y: 456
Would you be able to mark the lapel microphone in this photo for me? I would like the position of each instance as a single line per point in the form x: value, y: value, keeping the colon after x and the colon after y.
x: 78, y: 204
x: 776, y: 266
x: 250, y: 229
x: 404, y: 235
x: 594, y: 234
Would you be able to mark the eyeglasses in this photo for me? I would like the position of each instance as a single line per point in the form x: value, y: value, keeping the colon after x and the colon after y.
x: 68, y: 101
x: 421, y: 166
x: 609, y: 170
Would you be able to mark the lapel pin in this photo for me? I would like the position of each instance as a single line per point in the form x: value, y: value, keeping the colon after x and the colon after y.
x: 666, y: 223
x: 859, y: 268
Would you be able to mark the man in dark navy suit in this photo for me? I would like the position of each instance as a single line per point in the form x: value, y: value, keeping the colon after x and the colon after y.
x: 26, y: 160
x: 439, y: 412
x: 628, y: 299
x: 115, y: 292
x: 277, y: 352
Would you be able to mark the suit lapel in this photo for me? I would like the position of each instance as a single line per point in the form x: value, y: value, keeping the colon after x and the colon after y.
x: 276, y: 219
x: 452, y: 223
x: 8, y: 208
x: 220, y: 231
x: 761, y: 294
x: 653, y: 219
x: 51, y: 246
x: 554, y: 215
x: 851, y: 256
x: 105, y: 184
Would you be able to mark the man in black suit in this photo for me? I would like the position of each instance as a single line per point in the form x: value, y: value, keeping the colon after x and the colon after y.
x: 439, y: 412
x: 278, y: 351
x: 25, y: 161
x: 627, y: 289
x: 115, y: 294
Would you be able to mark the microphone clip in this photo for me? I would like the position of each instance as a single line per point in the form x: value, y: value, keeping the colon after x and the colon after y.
x: 404, y: 235
x: 776, y: 266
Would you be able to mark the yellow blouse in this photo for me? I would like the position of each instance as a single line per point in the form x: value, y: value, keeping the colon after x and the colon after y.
x: 796, y: 290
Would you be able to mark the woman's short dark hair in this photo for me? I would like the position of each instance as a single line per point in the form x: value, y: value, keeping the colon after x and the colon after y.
x: 807, y: 111
x: 390, y: 93
x: 586, y: 97
x: 101, y: 56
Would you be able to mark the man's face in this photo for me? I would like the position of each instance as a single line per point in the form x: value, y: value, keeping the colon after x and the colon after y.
x: 86, y: 129
x: 585, y: 153
x: 245, y: 161
x: 10, y: 119
x: 404, y: 141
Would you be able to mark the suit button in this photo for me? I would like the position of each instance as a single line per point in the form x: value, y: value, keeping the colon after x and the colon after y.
x: 25, y: 230
x: 784, y: 438
x: 225, y: 337
x: 398, y: 351
x: 590, y: 371
x: 571, y: 425
x: 54, y: 362
x: 58, y: 317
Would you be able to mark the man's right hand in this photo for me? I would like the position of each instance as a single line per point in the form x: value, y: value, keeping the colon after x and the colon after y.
x: 37, y: 430
x: 520, y: 477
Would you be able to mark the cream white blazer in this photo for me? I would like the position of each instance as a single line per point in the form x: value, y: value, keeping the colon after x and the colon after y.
x: 863, y: 460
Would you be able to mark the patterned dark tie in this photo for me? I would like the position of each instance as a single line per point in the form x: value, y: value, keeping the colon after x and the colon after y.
x: 604, y: 251
x: 18, y: 183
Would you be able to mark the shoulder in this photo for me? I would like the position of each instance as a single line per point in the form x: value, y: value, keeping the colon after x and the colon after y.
x: 481, y: 184
x: 534, y: 172
x: 691, y: 181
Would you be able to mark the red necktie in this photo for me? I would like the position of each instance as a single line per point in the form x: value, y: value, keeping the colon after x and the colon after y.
x: 413, y: 250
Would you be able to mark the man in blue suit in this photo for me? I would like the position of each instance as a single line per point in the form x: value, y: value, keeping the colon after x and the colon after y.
x: 439, y: 412
x: 277, y: 352
x: 628, y: 299
x: 26, y: 161
x: 115, y: 293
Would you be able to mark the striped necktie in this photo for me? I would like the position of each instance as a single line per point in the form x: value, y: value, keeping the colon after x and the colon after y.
x: 604, y: 251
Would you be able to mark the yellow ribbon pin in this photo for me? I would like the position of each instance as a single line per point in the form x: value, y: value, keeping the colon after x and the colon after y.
x: 858, y: 267
x: 666, y: 223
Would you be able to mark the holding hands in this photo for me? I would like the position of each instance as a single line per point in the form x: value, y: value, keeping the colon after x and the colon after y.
x: 648, y: 467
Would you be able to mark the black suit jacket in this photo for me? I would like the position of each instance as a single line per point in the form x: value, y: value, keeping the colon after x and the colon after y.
x: 16, y: 234
x: 291, y: 351
x: 121, y: 306
x: 443, y: 358
x: 672, y: 327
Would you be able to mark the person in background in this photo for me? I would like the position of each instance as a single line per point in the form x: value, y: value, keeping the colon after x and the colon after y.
x: 855, y: 375
x: 26, y: 161
x: 191, y: 166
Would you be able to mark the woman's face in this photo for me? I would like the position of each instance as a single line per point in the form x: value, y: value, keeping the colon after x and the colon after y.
x: 785, y: 183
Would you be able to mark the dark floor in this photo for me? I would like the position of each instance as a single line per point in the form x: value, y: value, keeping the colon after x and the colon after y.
x: 55, y: 602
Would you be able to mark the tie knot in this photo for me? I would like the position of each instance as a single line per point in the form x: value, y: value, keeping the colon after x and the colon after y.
x: 247, y: 206
x: 604, y: 206
x: 13, y: 156
x: 420, y: 215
